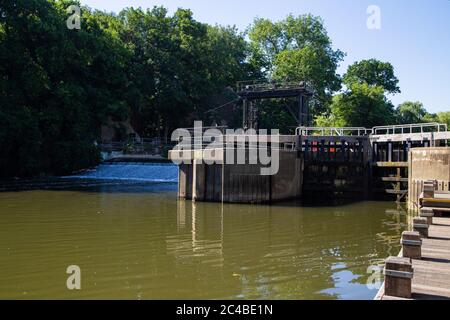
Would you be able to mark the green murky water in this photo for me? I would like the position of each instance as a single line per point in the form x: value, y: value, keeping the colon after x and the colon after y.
x: 140, y: 242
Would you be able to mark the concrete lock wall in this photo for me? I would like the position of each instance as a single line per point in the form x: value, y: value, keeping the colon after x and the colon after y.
x: 242, y: 183
x: 427, y: 164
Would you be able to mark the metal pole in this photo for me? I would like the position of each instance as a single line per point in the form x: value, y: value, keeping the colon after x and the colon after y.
x: 244, y: 113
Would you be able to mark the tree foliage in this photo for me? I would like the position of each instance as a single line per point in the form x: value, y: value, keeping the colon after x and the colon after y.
x: 362, y: 106
x: 57, y: 87
x: 162, y: 71
x: 364, y: 103
x: 411, y: 112
x: 440, y: 117
x: 298, y: 49
x: 374, y: 73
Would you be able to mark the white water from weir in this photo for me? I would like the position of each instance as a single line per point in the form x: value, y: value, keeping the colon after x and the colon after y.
x: 145, y: 172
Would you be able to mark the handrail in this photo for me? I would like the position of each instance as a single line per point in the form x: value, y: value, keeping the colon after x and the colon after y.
x: 394, y: 129
x: 333, y: 131
x: 385, y: 130
x: 258, y: 85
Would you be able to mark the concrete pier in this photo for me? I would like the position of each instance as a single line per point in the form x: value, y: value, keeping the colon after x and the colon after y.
x: 427, y: 164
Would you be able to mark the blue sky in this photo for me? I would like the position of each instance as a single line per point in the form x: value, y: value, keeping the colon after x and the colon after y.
x: 414, y: 34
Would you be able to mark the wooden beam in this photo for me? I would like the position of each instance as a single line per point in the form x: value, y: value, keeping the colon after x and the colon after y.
x: 391, y: 164
x: 394, y: 179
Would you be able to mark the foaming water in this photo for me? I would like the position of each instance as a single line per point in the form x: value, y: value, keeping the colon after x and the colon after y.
x: 145, y: 172
x: 138, y: 243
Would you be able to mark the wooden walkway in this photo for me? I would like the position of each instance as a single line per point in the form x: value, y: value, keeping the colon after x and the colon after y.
x: 432, y: 273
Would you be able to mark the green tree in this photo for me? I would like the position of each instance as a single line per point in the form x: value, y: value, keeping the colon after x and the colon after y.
x: 374, y: 73
x: 411, y: 112
x: 298, y: 49
x: 444, y: 117
x: 362, y: 106
x: 180, y: 66
x: 440, y: 117
x: 364, y: 103
x: 58, y: 86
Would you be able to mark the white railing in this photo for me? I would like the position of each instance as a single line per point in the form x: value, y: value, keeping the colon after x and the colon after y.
x: 410, y: 128
x: 380, y: 130
x: 332, y: 131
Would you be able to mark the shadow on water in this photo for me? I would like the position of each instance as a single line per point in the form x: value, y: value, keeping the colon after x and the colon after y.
x: 134, y: 239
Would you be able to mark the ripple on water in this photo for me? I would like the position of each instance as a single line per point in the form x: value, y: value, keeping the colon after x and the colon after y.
x: 141, y: 244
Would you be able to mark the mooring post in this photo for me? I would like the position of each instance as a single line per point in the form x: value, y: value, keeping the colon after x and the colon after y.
x: 398, y: 274
x: 428, y: 214
x: 411, y: 245
x: 421, y: 225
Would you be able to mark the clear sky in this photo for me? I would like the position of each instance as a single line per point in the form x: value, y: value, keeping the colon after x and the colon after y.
x: 414, y: 34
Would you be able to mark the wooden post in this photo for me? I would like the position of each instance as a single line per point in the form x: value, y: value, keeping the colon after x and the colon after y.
x: 301, y: 112
x: 429, y: 188
x: 322, y: 150
x: 411, y: 244
x: 375, y: 152
x: 398, y: 277
x: 244, y: 114
x: 306, y: 154
x: 421, y: 225
x: 428, y: 214
x: 390, y: 151
x: 405, y: 152
x: 198, y: 181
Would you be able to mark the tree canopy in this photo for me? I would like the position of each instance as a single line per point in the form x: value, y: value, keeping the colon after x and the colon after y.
x: 364, y: 102
x: 374, y: 73
x: 362, y: 106
x: 163, y: 71
x: 298, y: 49
x: 59, y: 85
x: 411, y: 112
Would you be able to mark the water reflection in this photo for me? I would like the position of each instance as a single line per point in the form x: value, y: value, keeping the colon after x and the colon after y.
x: 149, y: 245
x: 284, y: 252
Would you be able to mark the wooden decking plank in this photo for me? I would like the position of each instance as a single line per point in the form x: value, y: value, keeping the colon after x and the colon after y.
x: 432, y: 274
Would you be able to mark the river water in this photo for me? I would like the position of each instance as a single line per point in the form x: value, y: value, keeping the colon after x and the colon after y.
x: 132, y: 238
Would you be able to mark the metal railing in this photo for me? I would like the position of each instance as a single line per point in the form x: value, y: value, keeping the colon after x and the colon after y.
x: 258, y: 85
x: 135, y: 146
x: 410, y: 128
x: 203, y: 129
x: 380, y: 130
x: 332, y: 131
